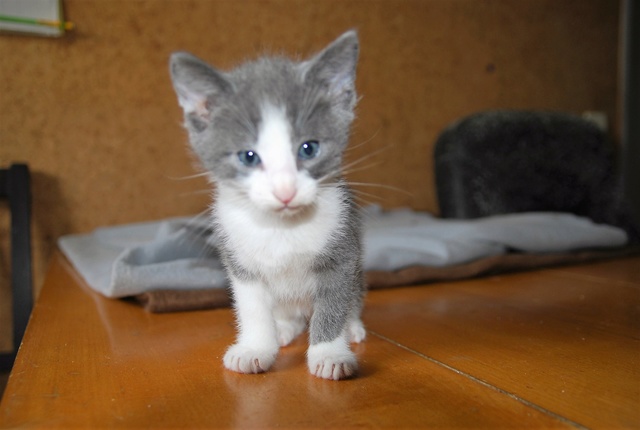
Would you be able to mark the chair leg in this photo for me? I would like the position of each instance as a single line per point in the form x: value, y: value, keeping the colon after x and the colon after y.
x: 17, y: 188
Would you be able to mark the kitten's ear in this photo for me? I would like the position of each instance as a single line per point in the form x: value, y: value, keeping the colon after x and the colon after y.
x: 197, y: 85
x: 335, y: 68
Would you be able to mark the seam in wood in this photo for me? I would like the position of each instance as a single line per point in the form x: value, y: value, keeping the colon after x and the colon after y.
x: 486, y: 384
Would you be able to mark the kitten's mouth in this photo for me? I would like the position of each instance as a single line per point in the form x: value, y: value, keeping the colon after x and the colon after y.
x: 293, y: 211
x: 289, y: 210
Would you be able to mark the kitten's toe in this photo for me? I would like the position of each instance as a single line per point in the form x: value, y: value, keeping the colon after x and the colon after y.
x: 332, y: 360
x: 357, y: 332
x: 243, y: 359
x: 335, y: 368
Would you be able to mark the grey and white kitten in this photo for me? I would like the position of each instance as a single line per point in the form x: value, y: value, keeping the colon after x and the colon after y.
x: 271, y: 133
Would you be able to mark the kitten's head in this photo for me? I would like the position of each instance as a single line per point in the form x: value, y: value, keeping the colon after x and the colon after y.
x: 273, y: 130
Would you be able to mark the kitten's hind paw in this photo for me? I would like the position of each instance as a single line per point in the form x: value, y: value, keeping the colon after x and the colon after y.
x: 243, y: 359
x: 332, y: 360
x: 357, y: 332
x: 288, y: 330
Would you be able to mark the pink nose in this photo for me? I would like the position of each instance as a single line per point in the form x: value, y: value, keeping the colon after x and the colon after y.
x: 285, y: 194
x: 283, y: 186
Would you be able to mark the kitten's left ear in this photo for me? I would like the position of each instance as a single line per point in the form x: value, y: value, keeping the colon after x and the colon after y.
x: 335, y: 68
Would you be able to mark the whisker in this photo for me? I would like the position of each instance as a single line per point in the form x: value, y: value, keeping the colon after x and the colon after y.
x: 195, y: 219
x: 365, y: 200
x: 368, y: 215
x: 365, y: 157
x: 186, y: 178
x: 358, y: 145
x: 360, y: 168
x: 384, y: 186
x: 346, y: 170
x: 363, y: 203
x: 360, y: 193
x: 334, y: 174
x: 200, y: 230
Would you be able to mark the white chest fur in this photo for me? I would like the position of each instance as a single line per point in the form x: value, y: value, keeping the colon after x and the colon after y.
x: 276, y: 245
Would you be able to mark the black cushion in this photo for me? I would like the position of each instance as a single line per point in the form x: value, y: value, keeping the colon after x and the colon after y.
x: 519, y: 161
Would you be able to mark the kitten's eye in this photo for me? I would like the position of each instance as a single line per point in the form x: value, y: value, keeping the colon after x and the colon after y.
x: 249, y: 158
x: 309, y: 150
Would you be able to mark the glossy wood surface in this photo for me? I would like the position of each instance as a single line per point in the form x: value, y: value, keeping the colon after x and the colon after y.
x: 553, y: 348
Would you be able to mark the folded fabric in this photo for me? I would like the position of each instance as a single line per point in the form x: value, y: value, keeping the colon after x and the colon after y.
x: 160, y: 301
x: 179, y: 254
x: 504, y: 263
x: 127, y: 260
x: 402, y: 238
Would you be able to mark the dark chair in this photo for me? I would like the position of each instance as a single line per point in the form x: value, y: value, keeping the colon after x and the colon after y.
x: 15, y: 187
x: 517, y: 161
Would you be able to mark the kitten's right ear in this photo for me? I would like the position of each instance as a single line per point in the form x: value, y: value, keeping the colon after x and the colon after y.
x: 197, y: 85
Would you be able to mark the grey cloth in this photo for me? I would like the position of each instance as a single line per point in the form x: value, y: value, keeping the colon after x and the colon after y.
x: 131, y: 259
x: 179, y: 253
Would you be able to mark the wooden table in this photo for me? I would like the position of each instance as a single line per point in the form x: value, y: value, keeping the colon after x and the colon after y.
x: 551, y: 348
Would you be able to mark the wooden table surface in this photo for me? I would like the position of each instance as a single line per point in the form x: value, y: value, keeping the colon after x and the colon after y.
x: 551, y: 348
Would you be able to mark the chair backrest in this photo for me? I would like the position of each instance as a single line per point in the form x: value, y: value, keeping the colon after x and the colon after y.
x: 15, y: 187
x: 519, y: 161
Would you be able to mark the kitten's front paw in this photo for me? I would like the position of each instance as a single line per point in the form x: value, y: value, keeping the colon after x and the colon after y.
x: 330, y: 360
x: 243, y: 359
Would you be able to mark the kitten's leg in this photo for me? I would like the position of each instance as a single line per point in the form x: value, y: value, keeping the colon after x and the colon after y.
x: 290, y: 322
x: 257, y: 345
x: 329, y: 355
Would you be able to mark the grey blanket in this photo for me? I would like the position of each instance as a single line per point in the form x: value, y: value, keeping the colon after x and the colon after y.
x: 179, y: 253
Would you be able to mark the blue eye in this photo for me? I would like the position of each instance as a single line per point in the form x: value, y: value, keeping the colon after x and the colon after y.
x: 309, y: 150
x: 249, y: 158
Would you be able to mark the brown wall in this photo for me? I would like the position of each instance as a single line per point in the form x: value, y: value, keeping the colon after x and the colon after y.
x: 94, y: 114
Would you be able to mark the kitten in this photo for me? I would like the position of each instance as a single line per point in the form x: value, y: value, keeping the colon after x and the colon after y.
x: 271, y: 134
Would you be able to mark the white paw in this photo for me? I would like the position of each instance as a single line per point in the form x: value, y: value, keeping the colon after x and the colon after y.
x: 357, y: 333
x: 243, y: 359
x: 289, y: 330
x: 332, y: 360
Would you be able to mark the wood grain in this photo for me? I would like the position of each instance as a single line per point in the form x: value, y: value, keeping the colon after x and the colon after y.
x: 553, y: 348
x: 567, y: 342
